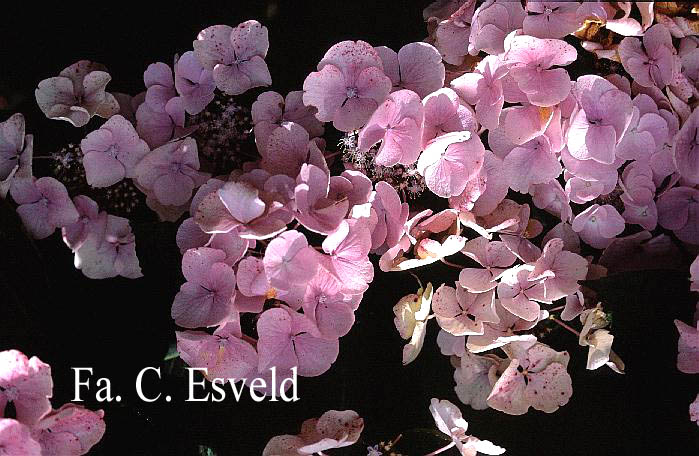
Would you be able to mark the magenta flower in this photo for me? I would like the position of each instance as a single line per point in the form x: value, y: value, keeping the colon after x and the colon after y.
x: 688, y: 348
x: 551, y: 19
x: 445, y: 112
x: 530, y: 60
x: 161, y: 116
x: 44, y: 205
x: 685, y: 149
x: 77, y: 94
x: 492, y: 22
x: 599, y: 123
x: 15, y: 438
x: 71, y: 430
x: 206, y: 298
x: 348, y: 255
x: 224, y: 354
x: 653, y: 62
x: 289, y: 260
x: 397, y: 123
x: 109, y: 249
x: 531, y: 163
x: 235, y: 55
x: 462, y: 313
x: 27, y: 384
x: 483, y: 88
x: 327, y: 307
x: 171, y: 172
x: 193, y: 83
x: 559, y: 270
x: 391, y: 216
x: 270, y: 110
x: 348, y: 86
x: 449, y: 421
x: 493, y: 256
x: 678, y: 210
x: 289, y: 339
x: 15, y: 146
x: 112, y: 152
x: 543, y: 383
x: 450, y: 161
x: 416, y: 66
x: 598, y: 225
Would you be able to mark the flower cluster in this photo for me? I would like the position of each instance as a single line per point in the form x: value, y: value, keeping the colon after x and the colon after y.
x: 36, y: 428
x: 539, y: 175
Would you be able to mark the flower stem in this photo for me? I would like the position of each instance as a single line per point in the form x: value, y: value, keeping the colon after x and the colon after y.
x: 453, y: 265
x: 560, y: 323
x: 445, y: 448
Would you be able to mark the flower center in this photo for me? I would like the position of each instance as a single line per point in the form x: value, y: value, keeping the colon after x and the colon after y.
x: 351, y: 92
x: 112, y: 151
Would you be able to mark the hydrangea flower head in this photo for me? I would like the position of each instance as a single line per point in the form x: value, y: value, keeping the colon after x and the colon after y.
x: 348, y: 86
x: 77, y: 94
x: 112, y: 152
x: 235, y: 55
x: 654, y: 61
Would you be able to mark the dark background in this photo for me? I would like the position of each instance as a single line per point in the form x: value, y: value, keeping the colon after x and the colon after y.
x: 119, y: 326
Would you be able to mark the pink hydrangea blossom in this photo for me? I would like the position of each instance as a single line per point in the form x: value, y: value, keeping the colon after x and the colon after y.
x: 508, y: 328
x: 235, y: 55
x: 75, y: 235
x: 694, y: 410
x: 348, y: 86
x: 647, y: 132
x: 288, y: 148
x: 519, y: 295
x: 15, y: 438
x: 653, y: 62
x: 688, y: 348
x: 347, y: 258
x: 206, y: 298
x: 270, y: 110
x: 462, y: 313
x: 450, y: 161
x: 694, y: 274
x: 77, y: 94
x: 44, y: 205
x: 289, y: 260
x: 334, y: 429
x: 494, y: 256
x: 483, y: 88
x: 162, y: 114
x: 171, y: 172
x: 325, y: 304
x: 112, y: 152
x: 449, y: 421
x: 492, y: 22
x: 598, y: 225
x: 109, y: 250
x: 553, y: 199
x: 452, y: 30
x: 678, y: 210
x: 559, y: 270
x: 71, y: 430
x: 15, y: 146
x: 27, y: 384
x: 416, y: 66
x: 194, y: 83
x: 445, y: 112
x: 391, y: 216
x: 599, y: 123
x: 531, y: 163
x: 397, y: 123
x: 536, y: 377
x: 223, y: 354
x: 290, y: 339
x: 638, y: 196
x: 530, y: 60
x: 685, y: 149
x: 551, y: 19
x: 472, y: 377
